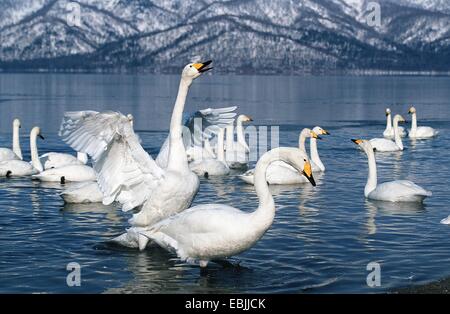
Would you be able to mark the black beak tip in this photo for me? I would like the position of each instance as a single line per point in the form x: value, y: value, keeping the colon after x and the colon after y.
x: 42, y: 137
x: 354, y: 140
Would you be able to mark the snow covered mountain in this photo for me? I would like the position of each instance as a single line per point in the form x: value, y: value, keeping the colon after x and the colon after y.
x: 240, y: 35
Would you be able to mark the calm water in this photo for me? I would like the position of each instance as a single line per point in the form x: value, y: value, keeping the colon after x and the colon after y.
x: 322, y: 238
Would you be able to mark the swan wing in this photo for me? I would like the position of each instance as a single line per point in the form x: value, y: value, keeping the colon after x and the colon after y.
x: 125, y: 172
x: 212, y: 119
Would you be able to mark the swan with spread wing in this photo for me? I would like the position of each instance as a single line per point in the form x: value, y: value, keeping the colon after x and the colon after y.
x: 125, y: 172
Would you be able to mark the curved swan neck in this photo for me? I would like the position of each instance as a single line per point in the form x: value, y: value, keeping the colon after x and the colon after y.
x: 220, y: 153
x: 414, y: 122
x: 16, y: 142
x: 315, y: 153
x: 240, y: 134
x: 177, y: 153
x: 372, y: 179
x: 388, y: 122
x: 397, y: 137
x: 266, y: 207
x: 35, y: 161
x: 301, y: 141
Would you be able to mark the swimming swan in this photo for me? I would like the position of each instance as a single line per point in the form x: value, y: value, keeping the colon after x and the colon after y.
x: 16, y: 152
x: 212, y: 166
x: 71, y: 172
x: 394, y: 191
x: 215, y: 231
x: 419, y: 132
x: 237, y: 151
x: 389, y: 131
x: 280, y: 172
x: 385, y: 145
x: 57, y: 160
x: 125, y: 171
x: 84, y: 192
x: 19, y: 168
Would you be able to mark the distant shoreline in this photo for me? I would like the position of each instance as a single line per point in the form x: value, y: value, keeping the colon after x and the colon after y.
x: 218, y: 71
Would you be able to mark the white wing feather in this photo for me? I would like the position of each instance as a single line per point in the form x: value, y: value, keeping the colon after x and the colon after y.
x: 125, y: 172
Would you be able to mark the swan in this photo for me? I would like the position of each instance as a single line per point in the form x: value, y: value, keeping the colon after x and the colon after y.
x: 385, y: 145
x: 389, y: 131
x: 316, y: 162
x: 237, y: 152
x: 419, y: 132
x: 16, y: 152
x: 280, y: 172
x: 57, y: 160
x: 20, y: 168
x: 72, y: 173
x: 394, y: 191
x: 212, y: 166
x: 216, y: 231
x: 84, y: 192
x: 125, y: 172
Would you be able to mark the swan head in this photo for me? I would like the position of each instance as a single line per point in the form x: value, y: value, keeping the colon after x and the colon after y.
x: 194, y: 70
x: 412, y: 110
x: 319, y: 131
x: 298, y: 159
x: 244, y: 118
x: 36, y: 132
x: 388, y: 112
x: 399, y: 119
x: 364, y: 144
x: 16, y: 123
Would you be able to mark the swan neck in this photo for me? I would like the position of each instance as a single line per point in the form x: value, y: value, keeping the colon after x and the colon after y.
x: 177, y: 153
x: 414, y: 122
x: 397, y: 137
x: 265, y: 212
x: 240, y: 134
x: 220, y: 153
x: 301, y: 142
x: 35, y: 161
x: 372, y: 179
x: 16, y: 142
x: 315, y: 158
x: 388, y: 122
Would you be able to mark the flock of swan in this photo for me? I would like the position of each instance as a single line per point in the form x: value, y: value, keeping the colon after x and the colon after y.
x: 160, y: 191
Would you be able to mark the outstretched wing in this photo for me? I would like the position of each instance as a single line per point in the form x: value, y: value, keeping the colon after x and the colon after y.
x: 202, y: 124
x: 125, y: 172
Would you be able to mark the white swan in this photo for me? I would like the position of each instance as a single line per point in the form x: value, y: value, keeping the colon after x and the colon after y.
x: 316, y: 162
x: 237, y: 151
x: 84, y: 192
x: 385, y: 145
x: 71, y: 172
x: 212, y: 166
x: 57, y: 160
x: 419, y: 132
x: 16, y: 152
x: 394, y: 191
x: 280, y: 172
x: 215, y: 231
x: 125, y: 172
x: 389, y: 131
x: 19, y: 168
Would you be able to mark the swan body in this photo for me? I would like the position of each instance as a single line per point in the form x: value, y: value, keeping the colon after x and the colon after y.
x: 280, y: 172
x: 419, y: 132
x: 125, y: 172
x: 216, y: 231
x: 57, y: 160
x: 212, y: 166
x: 15, y: 153
x: 72, y: 173
x: 389, y: 131
x: 385, y: 145
x: 84, y: 192
x: 394, y: 191
x: 19, y: 168
x: 237, y: 151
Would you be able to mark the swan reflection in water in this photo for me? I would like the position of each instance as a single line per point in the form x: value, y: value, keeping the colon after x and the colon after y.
x: 375, y: 208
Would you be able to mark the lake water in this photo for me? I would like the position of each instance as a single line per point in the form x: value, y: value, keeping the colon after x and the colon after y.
x: 322, y: 238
